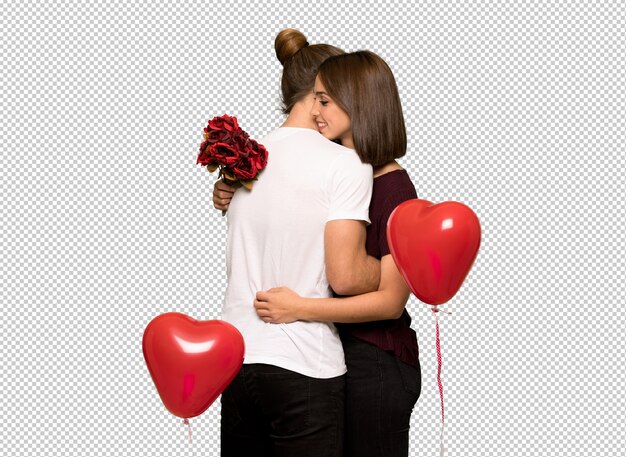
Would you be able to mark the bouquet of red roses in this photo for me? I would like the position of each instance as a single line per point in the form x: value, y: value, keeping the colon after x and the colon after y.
x: 227, y: 147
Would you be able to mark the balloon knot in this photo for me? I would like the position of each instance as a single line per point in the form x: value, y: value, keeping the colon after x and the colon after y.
x: 436, y: 310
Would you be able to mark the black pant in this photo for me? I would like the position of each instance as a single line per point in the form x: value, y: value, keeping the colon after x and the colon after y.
x: 268, y: 411
x: 380, y: 394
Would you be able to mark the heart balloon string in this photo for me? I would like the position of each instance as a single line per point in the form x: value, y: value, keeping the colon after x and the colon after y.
x: 190, y: 436
x: 436, y: 312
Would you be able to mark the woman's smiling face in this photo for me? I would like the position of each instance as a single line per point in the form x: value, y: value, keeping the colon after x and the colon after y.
x: 332, y: 121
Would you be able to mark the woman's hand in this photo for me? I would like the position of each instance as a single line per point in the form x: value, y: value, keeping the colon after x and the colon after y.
x: 222, y: 195
x: 279, y: 305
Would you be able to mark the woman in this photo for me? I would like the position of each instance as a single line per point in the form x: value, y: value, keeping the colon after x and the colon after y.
x: 357, y: 102
x: 288, y: 398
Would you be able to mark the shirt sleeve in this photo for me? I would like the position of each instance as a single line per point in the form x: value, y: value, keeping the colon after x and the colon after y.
x: 349, y: 189
x: 393, y: 200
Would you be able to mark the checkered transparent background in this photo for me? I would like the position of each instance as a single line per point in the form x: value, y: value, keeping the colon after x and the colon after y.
x: 514, y: 108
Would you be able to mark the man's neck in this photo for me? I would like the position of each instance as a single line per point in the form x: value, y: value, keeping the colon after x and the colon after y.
x: 300, y: 116
x: 291, y: 122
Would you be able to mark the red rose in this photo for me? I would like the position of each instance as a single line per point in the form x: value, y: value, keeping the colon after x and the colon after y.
x: 258, y: 152
x: 245, y: 168
x: 224, y: 154
x: 205, y: 157
x: 224, y: 122
x: 240, y: 140
x: 221, y: 129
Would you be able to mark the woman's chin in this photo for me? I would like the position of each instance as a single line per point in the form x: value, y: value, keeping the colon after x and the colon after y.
x: 328, y: 137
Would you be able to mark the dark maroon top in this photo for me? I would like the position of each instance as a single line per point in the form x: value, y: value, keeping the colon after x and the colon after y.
x: 395, y: 335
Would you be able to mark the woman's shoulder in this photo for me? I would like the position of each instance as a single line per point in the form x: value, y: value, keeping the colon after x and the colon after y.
x: 394, y: 179
x: 387, y: 168
x: 393, y: 188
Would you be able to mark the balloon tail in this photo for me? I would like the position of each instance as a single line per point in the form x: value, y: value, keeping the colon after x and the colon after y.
x: 441, y: 449
x: 438, y: 345
x: 188, y: 424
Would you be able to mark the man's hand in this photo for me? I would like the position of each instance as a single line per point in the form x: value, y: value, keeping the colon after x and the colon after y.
x: 222, y: 195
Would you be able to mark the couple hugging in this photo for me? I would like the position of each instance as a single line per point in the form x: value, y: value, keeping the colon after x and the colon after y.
x: 331, y: 365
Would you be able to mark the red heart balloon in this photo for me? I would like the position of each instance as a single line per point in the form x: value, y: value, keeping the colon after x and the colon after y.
x: 191, y: 362
x: 434, y: 246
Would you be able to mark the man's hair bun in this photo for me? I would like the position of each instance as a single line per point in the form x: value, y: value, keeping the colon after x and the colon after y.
x: 287, y: 44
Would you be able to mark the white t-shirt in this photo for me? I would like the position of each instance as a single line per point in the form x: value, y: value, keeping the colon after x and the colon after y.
x: 276, y: 238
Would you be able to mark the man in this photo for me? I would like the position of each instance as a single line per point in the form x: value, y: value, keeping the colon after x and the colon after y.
x: 301, y: 226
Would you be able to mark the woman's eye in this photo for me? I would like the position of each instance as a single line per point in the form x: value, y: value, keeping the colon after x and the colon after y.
x: 323, y: 102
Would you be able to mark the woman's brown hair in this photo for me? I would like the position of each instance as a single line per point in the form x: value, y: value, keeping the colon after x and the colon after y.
x: 300, y: 64
x: 362, y: 84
